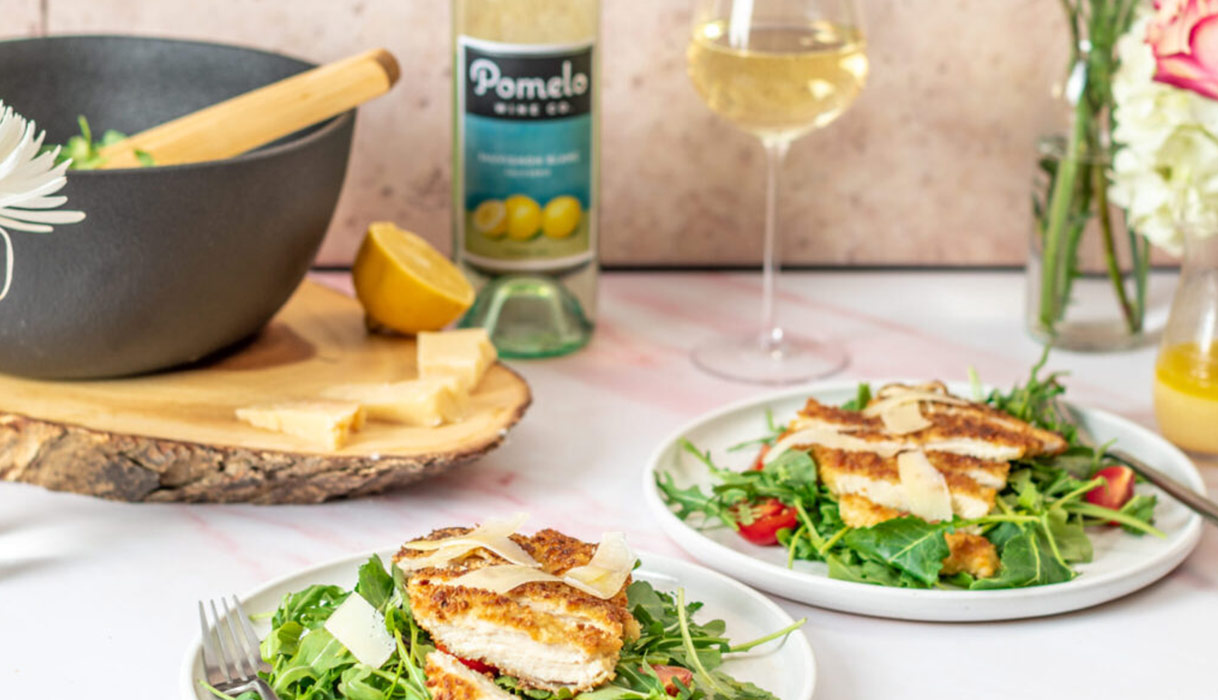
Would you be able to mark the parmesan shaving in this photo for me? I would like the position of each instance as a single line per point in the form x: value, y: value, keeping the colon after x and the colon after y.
x: 493, y: 535
x: 608, y: 570
x: 826, y: 436
x: 501, y: 579
x: 879, y: 407
x: 904, y: 418
x: 603, y: 576
x: 926, y: 492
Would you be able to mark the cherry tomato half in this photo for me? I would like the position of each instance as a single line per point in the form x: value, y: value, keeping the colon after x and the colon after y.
x: 768, y: 517
x: 1116, y: 492
x: 759, y: 462
x: 472, y: 664
x: 668, y: 673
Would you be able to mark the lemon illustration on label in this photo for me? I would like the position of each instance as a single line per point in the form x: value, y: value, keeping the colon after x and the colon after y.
x: 490, y: 218
x: 561, y: 217
x: 523, y: 217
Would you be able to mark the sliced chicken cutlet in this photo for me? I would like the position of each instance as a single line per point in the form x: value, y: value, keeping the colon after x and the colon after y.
x: 968, y: 444
x: 972, y: 483
x: 546, y: 633
x: 959, y: 427
x: 449, y: 679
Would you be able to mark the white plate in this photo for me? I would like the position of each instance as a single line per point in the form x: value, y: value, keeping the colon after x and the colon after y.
x: 1122, y: 563
x: 787, y: 668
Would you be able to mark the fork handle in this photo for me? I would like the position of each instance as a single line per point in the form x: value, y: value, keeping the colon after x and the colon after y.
x: 1180, y: 492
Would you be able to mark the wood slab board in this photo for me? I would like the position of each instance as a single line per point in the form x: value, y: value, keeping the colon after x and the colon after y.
x: 174, y: 436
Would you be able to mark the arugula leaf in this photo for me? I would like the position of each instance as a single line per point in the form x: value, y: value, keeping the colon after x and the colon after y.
x: 1026, y: 560
x: 375, y: 584
x: 310, y: 607
x: 909, y: 543
x: 1069, y: 535
x: 861, y: 398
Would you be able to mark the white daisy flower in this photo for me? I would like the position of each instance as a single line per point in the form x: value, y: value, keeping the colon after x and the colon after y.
x: 29, y: 179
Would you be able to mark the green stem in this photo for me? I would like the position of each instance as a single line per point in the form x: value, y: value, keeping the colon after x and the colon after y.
x: 1100, y: 185
x: 1053, y: 260
x: 690, y: 650
x: 769, y: 637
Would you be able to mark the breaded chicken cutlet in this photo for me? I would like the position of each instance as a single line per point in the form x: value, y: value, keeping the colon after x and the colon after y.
x: 547, y: 634
x: 449, y: 679
x: 969, y: 444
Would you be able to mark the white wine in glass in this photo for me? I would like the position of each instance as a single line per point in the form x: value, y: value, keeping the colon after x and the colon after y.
x: 776, y: 69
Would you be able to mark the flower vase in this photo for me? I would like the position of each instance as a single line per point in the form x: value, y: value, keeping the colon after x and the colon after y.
x: 1186, y: 372
x: 1087, y: 271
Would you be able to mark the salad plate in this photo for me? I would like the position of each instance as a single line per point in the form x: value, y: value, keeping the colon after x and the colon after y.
x: 787, y: 668
x: 1121, y: 563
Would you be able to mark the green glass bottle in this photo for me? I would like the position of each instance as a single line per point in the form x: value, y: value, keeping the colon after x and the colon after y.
x: 526, y: 169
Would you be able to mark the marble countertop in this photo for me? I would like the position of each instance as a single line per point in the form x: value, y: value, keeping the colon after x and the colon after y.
x: 92, y: 592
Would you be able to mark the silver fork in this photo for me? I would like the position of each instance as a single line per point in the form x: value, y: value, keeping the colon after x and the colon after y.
x: 231, y: 661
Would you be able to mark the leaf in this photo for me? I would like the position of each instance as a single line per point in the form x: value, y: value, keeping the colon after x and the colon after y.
x: 910, y: 544
x: 794, y: 469
x: 1141, y: 507
x: 862, y: 397
x: 310, y: 607
x: 354, y: 684
x: 1026, y: 561
x: 375, y: 584
x: 1070, y: 536
x: 283, y: 640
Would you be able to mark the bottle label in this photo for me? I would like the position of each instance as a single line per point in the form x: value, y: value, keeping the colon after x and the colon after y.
x: 525, y: 128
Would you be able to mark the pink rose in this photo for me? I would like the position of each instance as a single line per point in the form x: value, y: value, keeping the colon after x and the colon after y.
x: 1184, y: 38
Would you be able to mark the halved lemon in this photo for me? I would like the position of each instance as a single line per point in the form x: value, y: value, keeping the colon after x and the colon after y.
x: 405, y: 284
x: 490, y: 218
x: 523, y: 217
x: 561, y: 217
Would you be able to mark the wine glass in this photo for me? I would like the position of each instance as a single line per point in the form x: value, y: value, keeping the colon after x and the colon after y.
x: 777, y: 69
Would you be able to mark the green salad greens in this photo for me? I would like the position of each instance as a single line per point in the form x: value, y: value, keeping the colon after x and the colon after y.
x: 308, y: 663
x: 85, y: 153
x: 1038, y: 526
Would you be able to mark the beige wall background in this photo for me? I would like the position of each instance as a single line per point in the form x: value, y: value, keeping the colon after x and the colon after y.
x: 932, y: 166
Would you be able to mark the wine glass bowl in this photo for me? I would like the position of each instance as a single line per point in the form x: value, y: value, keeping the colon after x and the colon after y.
x: 778, y: 80
x: 776, y: 69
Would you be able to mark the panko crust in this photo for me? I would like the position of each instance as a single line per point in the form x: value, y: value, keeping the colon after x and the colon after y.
x: 446, y: 680
x: 548, y: 612
x: 970, y: 553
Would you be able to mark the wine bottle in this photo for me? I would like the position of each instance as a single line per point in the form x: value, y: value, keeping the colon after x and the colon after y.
x: 525, y: 169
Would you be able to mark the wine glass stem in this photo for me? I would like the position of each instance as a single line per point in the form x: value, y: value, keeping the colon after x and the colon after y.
x: 775, y: 152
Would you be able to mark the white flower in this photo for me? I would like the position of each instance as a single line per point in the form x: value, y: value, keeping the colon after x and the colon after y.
x: 28, y: 181
x: 1165, y: 173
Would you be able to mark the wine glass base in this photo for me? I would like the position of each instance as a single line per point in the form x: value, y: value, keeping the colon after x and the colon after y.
x: 764, y: 359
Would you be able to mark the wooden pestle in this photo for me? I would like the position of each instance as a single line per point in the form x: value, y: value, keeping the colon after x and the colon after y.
x: 260, y: 116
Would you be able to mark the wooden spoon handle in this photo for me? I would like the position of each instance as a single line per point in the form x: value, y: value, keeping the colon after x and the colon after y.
x: 260, y: 116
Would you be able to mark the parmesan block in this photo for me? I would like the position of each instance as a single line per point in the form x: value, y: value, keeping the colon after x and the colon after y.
x: 465, y: 354
x: 361, y: 628
x: 427, y: 402
x: 327, y: 424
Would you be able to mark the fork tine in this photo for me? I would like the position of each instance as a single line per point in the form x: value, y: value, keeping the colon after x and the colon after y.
x: 210, y: 654
x: 240, y: 658
x: 219, y: 632
x: 250, y: 636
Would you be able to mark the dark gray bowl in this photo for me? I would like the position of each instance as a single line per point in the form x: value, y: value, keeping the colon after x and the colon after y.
x: 171, y: 264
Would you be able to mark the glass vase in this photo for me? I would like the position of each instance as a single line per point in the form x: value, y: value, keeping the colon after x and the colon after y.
x: 1087, y: 272
x: 1186, y: 372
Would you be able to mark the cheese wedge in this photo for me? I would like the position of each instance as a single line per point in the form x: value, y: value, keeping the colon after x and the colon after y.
x: 326, y: 424
x: 427, y: 402
x: 465, y: 354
